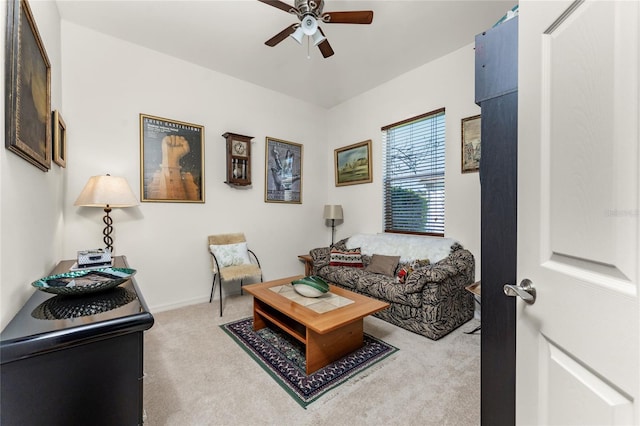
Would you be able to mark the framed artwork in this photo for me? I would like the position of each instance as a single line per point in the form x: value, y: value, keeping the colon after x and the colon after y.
x: 171, y: 160
x: 353, y: 164
x: 283, y: 172
x: 471, y: 144
x: 59, y: 140
x: 28, y: 88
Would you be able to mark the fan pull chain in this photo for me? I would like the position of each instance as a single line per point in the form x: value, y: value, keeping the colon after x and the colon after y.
x: 308, y: 47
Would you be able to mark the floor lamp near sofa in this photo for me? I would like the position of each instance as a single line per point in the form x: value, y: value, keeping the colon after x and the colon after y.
x: 333, y: 212
x: 107, y: 192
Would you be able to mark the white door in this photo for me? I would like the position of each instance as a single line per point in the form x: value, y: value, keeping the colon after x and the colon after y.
x: 579, y: 213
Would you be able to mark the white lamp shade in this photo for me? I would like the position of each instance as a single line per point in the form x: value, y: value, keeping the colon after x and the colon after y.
x: 297, y: 35
x: 103, y: 191
x: 309, y: 25
x: 333, y: 212
x: 318, y: 38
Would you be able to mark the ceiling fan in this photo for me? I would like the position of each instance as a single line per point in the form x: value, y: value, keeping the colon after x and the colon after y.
x: 309, y: 12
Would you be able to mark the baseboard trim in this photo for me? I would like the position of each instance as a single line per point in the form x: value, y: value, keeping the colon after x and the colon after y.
x: 181, y: 304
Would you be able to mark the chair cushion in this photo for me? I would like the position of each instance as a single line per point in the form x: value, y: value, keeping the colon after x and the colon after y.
x: 237, y: 272
x: 231, y: 254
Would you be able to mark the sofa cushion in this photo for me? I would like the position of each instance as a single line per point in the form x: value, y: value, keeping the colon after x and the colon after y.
x: 385, y: 288
x: 381, y: 264
x: 342, y: 276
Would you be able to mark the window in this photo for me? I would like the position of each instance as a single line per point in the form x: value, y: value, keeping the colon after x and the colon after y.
x: 413, y: 175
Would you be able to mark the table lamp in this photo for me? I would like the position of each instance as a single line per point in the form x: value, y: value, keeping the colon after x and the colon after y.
x: 107, y: 192
x: 333, y: 213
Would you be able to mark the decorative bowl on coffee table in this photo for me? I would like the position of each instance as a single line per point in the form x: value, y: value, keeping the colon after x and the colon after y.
x: 310, y: 286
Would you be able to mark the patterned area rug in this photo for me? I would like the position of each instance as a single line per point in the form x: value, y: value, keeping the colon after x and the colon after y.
x: 283, y: 357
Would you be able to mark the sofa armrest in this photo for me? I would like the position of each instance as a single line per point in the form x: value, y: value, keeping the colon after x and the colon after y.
x: 456, y: 270
x: 321, y: 257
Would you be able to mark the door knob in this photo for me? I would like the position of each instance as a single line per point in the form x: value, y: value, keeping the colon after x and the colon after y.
x: 526, y: 291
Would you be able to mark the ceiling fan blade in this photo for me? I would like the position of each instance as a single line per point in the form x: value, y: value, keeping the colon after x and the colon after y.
x: 281, y: 35
x: 325, y: 47
x: 356, y: 17
x: 280, y: 5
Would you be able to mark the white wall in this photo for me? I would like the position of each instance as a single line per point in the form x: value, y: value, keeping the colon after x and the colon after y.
x: 447, y: 82
x: 31, y: 220
x: 101, y: 85
x: 107, y: 84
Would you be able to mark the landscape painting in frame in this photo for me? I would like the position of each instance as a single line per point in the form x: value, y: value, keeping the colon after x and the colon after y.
x: 171, y: 160
x: 283, y: 172
x: 471, y: 144
x: 28, y: 88
x: 353, y: 164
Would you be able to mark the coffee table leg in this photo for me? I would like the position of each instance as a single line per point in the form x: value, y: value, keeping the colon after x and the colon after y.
x: 258, y: 321
x: 323, y: 349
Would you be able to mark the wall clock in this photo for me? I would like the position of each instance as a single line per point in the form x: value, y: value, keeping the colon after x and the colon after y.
x: 238, y: 159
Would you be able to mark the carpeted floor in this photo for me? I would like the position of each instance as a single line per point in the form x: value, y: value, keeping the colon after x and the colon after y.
x: 197, y: 375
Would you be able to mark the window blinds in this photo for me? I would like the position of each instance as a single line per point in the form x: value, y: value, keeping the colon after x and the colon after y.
x: 413, y: 181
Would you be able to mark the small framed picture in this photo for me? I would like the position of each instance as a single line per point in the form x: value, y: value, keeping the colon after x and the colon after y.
x: 471, y: 144
x: 59, y: 140
x: 171, y: 160
x: 353, y: 164
x: 283, y: 172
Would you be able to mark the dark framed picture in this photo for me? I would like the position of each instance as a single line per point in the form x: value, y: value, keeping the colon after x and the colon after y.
x: 59, y: 140
x: 283, y: 172
x: 471, y: 144
x: 171, y: 160
x: 353, y: 164
x: 28, y: 88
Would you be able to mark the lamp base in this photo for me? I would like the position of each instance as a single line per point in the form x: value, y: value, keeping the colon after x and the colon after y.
x: 108, y: 228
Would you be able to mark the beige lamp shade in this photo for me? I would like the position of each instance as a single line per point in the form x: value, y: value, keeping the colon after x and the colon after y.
x: 103, y: 191
x: 333, y: 212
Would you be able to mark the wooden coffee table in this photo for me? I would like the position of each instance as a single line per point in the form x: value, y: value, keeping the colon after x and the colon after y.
x: 327, y: 336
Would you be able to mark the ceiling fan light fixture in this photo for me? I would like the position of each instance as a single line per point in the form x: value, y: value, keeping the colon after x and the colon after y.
x: 297, y: 35
x: 309, y: 25
x: 318, y: 38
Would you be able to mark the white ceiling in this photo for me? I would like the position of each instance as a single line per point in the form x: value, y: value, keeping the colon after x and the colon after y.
x: 228, y: 36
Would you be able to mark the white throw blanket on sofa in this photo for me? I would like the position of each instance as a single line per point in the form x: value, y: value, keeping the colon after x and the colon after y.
x: 408, y: 247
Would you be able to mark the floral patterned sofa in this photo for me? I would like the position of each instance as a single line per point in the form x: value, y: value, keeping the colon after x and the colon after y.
x: 430, y: 299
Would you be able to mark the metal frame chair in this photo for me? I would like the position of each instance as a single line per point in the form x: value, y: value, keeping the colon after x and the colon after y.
x: 233, y: 272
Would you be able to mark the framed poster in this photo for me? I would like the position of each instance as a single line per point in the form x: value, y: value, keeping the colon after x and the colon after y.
x: 28, y: 88
x: 353, y: 164
x: 471, y: 144
x: 171, y: 160
x: 283, y: 172
x: 59, y: 140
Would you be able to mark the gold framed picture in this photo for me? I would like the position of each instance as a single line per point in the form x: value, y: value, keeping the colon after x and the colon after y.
x: 28, y: 97
x: 353, y: 164
x: 171, y: 160
x: 59, y: 140
x: 471, y: 144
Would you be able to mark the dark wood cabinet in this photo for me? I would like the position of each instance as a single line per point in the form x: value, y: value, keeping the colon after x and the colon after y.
x: 75, y: 360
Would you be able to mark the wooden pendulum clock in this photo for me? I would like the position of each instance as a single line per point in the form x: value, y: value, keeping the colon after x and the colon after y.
x: 238, y: 159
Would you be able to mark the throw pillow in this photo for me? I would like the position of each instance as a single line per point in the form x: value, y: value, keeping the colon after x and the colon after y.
x: 420, y: 263
x: 403, y: 274
x: 408, y: 268
x: 231, y: 254
x: 381, y: 264
x: 347, y: 257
